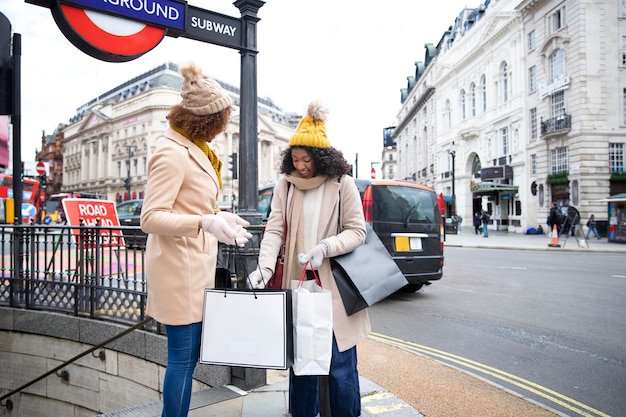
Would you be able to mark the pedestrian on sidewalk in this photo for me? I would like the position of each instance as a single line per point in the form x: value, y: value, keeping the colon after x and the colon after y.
x: 183, y: 227
x: 459, y: 220
x: 591, y: 227
x: 554, y: 218
x: 313, y: 190
x: 485, y: 219
x: 477, y: 222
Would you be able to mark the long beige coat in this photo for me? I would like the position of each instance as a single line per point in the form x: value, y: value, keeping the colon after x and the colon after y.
x: 180, y: 257
x: 348, y: 330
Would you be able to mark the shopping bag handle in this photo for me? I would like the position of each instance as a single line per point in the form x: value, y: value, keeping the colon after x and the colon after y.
x: 303, y: 275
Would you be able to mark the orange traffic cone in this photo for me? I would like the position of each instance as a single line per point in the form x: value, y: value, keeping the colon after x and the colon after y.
x: 554, y: 243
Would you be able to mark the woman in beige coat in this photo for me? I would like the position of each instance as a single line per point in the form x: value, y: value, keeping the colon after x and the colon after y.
x: 308, y: 195
x: 183, y: 228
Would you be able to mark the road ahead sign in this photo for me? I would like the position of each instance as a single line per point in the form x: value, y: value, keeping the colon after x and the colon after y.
x: 91, y: 212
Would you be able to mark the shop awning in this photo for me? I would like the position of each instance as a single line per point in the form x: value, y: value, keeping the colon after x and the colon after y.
x: 614, y: 198
x: 489, y: 188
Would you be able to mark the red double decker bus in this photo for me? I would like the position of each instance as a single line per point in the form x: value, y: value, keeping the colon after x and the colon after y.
x: 32, y: 195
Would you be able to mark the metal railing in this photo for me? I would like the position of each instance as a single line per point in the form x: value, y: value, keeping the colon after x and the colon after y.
x: 96, y: 272
x: 556, y: 125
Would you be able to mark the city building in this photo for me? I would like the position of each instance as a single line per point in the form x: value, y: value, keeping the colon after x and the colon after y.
x: 107, y: 144
x: 520, y: 103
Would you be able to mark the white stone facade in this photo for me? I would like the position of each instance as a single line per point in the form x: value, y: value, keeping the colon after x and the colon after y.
x: 529, y: 89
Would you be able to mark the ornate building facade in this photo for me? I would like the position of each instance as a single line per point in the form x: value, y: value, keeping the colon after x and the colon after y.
x: 518, y: 105
x: 108, y: 143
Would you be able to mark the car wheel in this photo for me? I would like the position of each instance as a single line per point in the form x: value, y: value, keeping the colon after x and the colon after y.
x: 411, y: 287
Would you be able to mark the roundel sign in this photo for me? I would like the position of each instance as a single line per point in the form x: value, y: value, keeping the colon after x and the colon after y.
x: 105, y: 37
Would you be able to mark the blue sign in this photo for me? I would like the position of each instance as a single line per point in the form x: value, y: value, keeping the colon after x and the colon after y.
x: 28, y: 210
x: 164, y: 13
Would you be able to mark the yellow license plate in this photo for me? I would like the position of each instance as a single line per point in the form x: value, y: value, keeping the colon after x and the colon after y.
x: 408, y: 243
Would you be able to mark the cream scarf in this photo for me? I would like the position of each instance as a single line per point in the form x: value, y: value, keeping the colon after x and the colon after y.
x: 295, y: 219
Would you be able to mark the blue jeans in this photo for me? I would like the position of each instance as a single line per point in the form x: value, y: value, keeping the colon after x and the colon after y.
x: 485, y: 229
x: 183, y: 350
x: 595, y: 232
x: 343, y: 387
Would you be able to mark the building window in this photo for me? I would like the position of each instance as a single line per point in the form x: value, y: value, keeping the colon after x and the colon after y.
x: 476, y: 167
x: 532, y: 41
x: 448, y: 115
x: 505, y: 82
x: 556, y: 20
x: 533, y: 164
x: 623, y: 8
x: 557, y: 64
x: 557, y: 104
x: 616, y: 157
x: 532, y: 79
x: 504, y: 135
x: 533, y: 123
x: 462, y: 104
x: 624, y: 103
x: 473, y: 99
x: 558, y: 159
x: 483, y: 90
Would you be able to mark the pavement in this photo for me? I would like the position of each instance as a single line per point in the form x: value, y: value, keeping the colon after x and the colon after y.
x: 399, y: 383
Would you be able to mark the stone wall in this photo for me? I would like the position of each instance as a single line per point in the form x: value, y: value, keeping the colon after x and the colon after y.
x: 129, y: 373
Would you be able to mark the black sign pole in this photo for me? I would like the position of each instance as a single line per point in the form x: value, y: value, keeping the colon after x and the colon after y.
x: 16, y: 122
x: 248, y: 198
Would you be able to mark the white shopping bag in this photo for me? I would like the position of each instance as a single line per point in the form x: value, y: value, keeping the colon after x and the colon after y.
x: 247, y: 328
x: 312, y: 327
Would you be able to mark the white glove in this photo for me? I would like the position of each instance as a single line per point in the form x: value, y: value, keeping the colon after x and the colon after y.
x: 219, y: 227
x: 260, y: 277
x: 315, y: 256
x: 232, y: 219
x: 243, y: 236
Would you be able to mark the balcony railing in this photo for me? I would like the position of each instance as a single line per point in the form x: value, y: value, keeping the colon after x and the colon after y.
x: 556, y: 125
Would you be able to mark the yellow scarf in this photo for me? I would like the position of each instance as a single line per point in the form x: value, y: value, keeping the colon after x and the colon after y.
x: 204, y: 147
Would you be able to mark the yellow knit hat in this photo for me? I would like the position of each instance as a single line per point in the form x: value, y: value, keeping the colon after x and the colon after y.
x: 311, y: 130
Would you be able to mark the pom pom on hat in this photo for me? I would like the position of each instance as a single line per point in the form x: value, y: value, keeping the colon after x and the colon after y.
x: 201, y: 94
x: 311, y: 130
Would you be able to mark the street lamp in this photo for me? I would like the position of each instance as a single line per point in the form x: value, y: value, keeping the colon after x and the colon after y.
x: 130, y: 149
x: 452, y: 152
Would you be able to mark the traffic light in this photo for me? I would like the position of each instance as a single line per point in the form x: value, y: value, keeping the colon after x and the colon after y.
x: 233, y: 165
x: 127, y: 183
x: 43, y: 180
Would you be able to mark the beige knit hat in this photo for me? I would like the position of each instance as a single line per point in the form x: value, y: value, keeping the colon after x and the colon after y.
x: 201, y: 94
x: 311, y: 130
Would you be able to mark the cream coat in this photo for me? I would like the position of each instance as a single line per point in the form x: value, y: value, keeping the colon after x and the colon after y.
x: 348, y: 330
x: 180, y: 257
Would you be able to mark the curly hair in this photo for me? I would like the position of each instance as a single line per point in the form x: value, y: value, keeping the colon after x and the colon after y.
x: 204, y: 127
x: 328, y: 161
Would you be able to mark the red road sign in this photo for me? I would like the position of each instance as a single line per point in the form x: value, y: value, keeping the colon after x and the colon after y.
x: 373, y: 173
x: 41, y: 168
x: 94, y: 212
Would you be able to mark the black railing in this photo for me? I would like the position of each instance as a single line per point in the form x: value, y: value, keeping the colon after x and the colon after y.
x: 556, y: 124
x: 80, y: 270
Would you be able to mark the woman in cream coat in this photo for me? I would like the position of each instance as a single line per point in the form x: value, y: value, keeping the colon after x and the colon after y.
x: 183, y: 228
x: 308, y: 195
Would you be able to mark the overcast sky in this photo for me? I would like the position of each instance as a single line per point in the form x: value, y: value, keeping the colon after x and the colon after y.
x: 352, y: 56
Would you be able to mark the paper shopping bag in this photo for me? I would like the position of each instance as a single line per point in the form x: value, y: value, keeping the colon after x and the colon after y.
x: 312, y: 328
x: 247, y: 328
